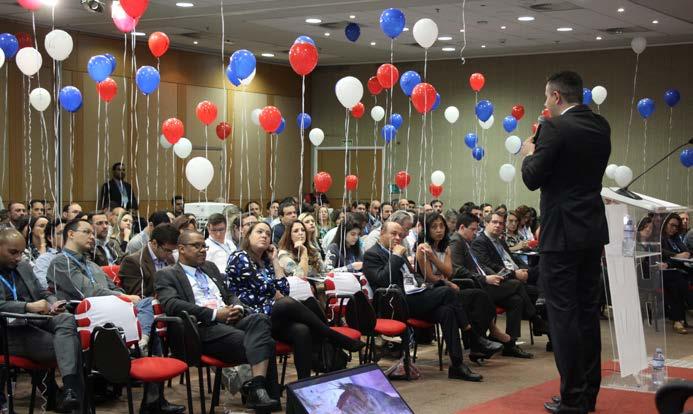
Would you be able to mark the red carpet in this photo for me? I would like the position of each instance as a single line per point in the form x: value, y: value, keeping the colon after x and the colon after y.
x: 531, y: 399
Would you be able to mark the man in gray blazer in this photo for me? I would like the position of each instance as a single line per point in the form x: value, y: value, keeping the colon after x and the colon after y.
x: 229, y: 331
x: 43, y: 341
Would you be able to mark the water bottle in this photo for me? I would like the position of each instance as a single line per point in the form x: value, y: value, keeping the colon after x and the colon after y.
x: 628, y: 236
x: 658, y: 375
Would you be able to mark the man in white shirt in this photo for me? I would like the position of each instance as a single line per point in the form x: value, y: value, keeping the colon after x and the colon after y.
x: 219, y: 248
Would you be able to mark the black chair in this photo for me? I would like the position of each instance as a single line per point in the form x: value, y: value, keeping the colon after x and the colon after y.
x: 392, y: 313
x: 671, y: 398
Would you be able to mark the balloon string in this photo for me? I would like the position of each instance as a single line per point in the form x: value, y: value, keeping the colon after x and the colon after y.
x: 346, y: 154
x: 146, y: 138
x: 644, y: 154
x: 44, y: 156
x: 72, y: 155
x: 356, y: 155
x: 98, y: 148
x: 406, y: 167
x: 206, y: 142
x: 259, y: 170
x: 271, y: 181
x: 125, y: 98
x: 451, y: 150
x: 240, y: 199
x: 156, y: 135
x: 225, y: 178
x: 134, y: 133
x: 375, y: 163
x: 245, y: 135
x: 50, y: 184
x: 4, y: 132
x: 632, y: 103
x: 671, y: 113
x: 302, y: 132
x: 29, y: 138
x: 107, y: 147
x: 464, y: 32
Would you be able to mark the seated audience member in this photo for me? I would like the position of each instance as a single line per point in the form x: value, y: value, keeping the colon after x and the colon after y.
x: 178, y: 204
x: 122, y: 231
x: 17, y: 211
x: 525, y: 226
x: 37, y: 208
x: 426, y: 209
x: 5, y: 219
x: 437, y: 206
x: 117, y: 190
x: 48, y: 208
x: 359, y: 207
x: 308, y: 220
x: 512, y: 238
x: 253, y: 208
x: 54, y: 237
x: 451, y: 220
x: 297, y: 256
x: 403, y: 218
x: 327, y: 239
x: 107, y: 251
x: 684, y: 226
x: 386, y: 264
x: 240, y: 225
x: 486, y: 208
x: 138, y: 269
x: 502, y: 210
x: 70, y: 211
x: 689, y: 240
x: 373, y: 216
x: 412, y: 238
x: 219, y: 247
x: 113, y: 213
x: 272, y: 217
x: 256, y: 276
x: 43, y: 341
x: 140, y: 240
x: 385, y: 211
x: 345, y: 250
x: 412, y: 204
x: 34, y: 232
x: 229, y: 331
x: 287, y: 214
x: 185, y: 222
x: 403, y: 204
x: 324, y: 222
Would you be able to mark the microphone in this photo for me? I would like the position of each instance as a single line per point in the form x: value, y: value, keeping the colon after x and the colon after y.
x: 540, y: 121
x: 627, y: 193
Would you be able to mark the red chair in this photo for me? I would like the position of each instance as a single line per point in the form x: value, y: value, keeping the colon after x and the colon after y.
x: 501, y: 310
x: 283, y: 350
x: 113, y: 272
x: 421, y: 324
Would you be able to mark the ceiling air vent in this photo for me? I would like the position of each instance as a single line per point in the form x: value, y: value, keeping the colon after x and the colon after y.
x: 625, y: 30
x: 552, y: 7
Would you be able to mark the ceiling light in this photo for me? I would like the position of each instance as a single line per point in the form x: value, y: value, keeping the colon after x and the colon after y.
x: 525, y: 18
x: 444, y: 38
x: 483, y: 46
x: 406, y: 29
x: 564, y: 29
x: 620, y: 10
x: 461, y: 30
x: 184, y: 4
x: 195, y: 42
x: 598, y: 38
x: 372, y: 43
x: 313, y: 20
x: 448, y: 49
x: 49, y: 3
x: 327, y: 34
x: 655, y: 21
x: 267, y: 54
x: 94, y: 6
x: 503, y: 27
x: 139, y: 34
x: 351, y: 16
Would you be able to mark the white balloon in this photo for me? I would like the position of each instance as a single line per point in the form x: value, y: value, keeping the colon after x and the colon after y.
x: 425, y: 32
x: 58, y: 44
x: 2, y: 58
x: 40, y: 99
x: 507, y: 172
x: 255, y: 116
x: 438, y: 177
x: 452, y: 114
x: 599, y: 94
x: 164, y: 142
x: 611, y: 171
x: 513, y: 144
x: 488, y: 124
x: 246, y: 81
x: 349, y: 91
x: 183, y: 148
x: 29, y: 61
x: 638, y: 44
x: 623, y: 176
x: 377, y: 113
x: 316, y: 136
x: 199, y: 172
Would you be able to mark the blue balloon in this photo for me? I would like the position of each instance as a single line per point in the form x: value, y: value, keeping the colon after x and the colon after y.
x: 509, y: 123
x: 113, y: 61
x: 470, y: 140
x: 388, y: 133
x: 392, y: 22
x: 304, y: 39
x: 232, y: 76
x: 70, y: 99
x: 586, y: 96
x: 672, y: 97
x: 281, y: 127
x: 646, y: 107
x: 304, y: 120
x: 687, y: 157
x: 396, y: 120
x: 478, y: 153
x: 484, y: 110
x: 99, y: 67
x: 243, y: 63
x: 147, y: 79
x: 9, y: 44
x: 408, y: 81
x: 352, y: 32
x: 436, y: 104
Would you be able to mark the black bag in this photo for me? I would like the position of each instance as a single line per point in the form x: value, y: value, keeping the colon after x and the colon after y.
x: 328, y: 358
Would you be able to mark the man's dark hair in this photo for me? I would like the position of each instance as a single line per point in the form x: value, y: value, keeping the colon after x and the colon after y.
x: 216, y: 218
x: 71, y: 225
x: 335, y: 215
x: 158, y: 217
x: 50, y: 229
x: 466, y: 219
x: 385, y: 203
x: 287, y: 202
x: 356, y: 217
x: 175, y: 198
x: 307, y: 208
x: 34, y: 201
x: 11, y: 203
x: 165, y: 233
x: 91, y: 214
x: 116, y: 165
x: 569, y: 84
x: 435, y: 200
x: 269, y: 203
x: 237, y: 221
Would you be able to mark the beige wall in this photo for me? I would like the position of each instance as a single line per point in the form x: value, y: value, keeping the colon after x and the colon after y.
x: 521, y: 79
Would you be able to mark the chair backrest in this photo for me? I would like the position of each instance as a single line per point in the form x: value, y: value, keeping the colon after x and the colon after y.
x: 390, y: 303
x: 109, y: 355
x: 184, y: 340
x: 98, y: 311
x: 113, y: 273
x: 360, y: 315
x: 299, y: 289
x: 671, y: 398
x: 347, y: 282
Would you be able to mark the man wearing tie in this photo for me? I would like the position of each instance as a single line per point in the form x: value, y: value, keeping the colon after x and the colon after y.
x: 106, y: 250
x: 117, y: 192
x: 566, y: 160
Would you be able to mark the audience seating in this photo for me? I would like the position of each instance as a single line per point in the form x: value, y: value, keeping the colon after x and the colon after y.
x: 113, y: 272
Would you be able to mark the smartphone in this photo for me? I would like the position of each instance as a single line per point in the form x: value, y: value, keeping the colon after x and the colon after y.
x: 505, y: 274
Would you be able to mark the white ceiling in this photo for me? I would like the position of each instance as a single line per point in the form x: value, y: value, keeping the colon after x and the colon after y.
x: 272, y: 25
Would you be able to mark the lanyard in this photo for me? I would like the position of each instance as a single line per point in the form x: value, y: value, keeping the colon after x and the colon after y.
x: 82, y: 266
x: 226, y: 248
x: 476, y: 262
x: 12, y: 287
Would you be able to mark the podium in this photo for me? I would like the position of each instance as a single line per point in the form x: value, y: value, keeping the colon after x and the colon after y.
x: 637, y: 323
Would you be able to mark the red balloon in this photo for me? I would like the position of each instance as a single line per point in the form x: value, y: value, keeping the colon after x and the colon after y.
x: 158, y: 43
x: 173, y: 130
x: 423, y: 97
x: 402, y: 179
x: 134, y: 8
x: 31, y: 5
x: 206, y: 112
x: 435, y: 190
x: 518, y: 112
x: 358, y: 110
x: 545, y: 113
x: 388, y: 75
x: 107, y: 89
x: 477, y: 81
x: 323, y: 182
x: 270, y: 119
x: 352, y: 182
x: 223, y: 130
x: 534, y: 127
x: 303, y: 58
x: 24, y: 39
x: 374, y: 86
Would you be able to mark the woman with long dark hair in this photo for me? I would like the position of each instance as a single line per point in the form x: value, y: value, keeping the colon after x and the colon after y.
x: 34, y: 232
x: 297, y: 256
x: 345, y: 250
x: 677, y: 277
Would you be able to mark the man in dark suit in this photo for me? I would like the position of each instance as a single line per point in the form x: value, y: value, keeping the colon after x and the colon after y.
x: 106, y: 251
x: 567, y: 163
x: 117, y: 191
x: 229, y: 331
x: 43, y: 341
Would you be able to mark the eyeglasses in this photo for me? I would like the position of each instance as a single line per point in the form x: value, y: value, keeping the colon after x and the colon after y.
x: 87, y: 232
x: 197, y: 246
x: 218, y: 230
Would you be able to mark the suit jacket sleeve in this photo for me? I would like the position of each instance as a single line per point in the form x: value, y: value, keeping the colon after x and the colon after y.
x: 379, y: 267
x: 538, y: 167
x: 481, y: 249
x: 460, y: 258
x: 134, y: 205
x: 169, y: 292
x: 131, y: 275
